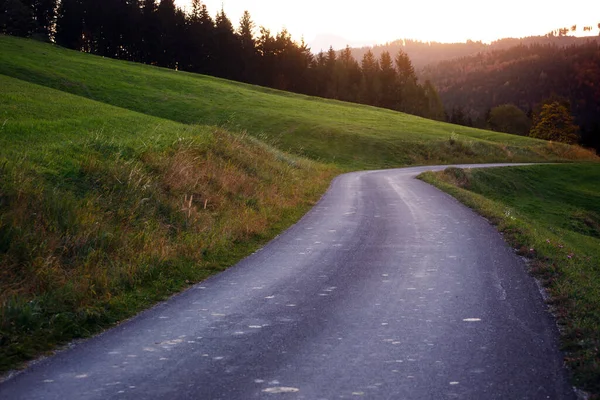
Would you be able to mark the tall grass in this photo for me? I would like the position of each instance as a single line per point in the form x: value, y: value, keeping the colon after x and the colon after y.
x: 97, y: 224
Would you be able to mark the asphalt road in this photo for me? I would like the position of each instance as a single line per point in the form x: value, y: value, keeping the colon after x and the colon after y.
x: 387, y: 289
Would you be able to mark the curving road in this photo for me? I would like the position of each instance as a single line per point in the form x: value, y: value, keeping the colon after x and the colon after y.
x: 387, y: 289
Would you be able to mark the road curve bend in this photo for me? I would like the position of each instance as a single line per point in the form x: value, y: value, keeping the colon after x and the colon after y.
x: 386, y: 289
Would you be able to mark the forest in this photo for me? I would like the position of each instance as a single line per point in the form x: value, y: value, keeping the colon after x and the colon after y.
x: 525, y: 76
x: 424, y: 54
x: 159, y: 33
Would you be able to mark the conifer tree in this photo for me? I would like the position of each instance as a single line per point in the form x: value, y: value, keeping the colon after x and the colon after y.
x: 349, y: 76
x: 330, y: 71
x: 44, y: 14
x: 200, y: 40
x: 169, y: 24
x: 150, y: 32
x: 265, y: 47
x: 435, y: 107
x: 69, y: 24
x: 227, y: 55
x: 370, y: 86
x: 16, y: 18
x: 389, y: 81
x: 247, y: 48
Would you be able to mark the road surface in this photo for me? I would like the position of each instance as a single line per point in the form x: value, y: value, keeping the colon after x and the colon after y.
x: 387, y: 289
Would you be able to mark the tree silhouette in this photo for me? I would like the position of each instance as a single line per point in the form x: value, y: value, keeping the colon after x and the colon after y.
x: 200, y: 49
x: 150, y: 32
x: 435, y: 107
x: 171, y: 29
x: 349, y: 76
x: 388, y: 80
x: 16, y: 18
x: 227, y: 58
x: 69, y: 24
x: 44, y: 14
x: 247, y: 48
x: 370, y: 86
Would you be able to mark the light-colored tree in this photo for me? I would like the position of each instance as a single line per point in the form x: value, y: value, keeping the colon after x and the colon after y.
x: 555, y: 123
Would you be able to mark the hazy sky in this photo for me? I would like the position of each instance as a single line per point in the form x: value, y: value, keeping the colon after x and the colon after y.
x: 386, y: 20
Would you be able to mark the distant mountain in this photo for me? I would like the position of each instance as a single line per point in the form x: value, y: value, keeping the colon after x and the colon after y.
x: 525, y: 75
x: 426, y: 53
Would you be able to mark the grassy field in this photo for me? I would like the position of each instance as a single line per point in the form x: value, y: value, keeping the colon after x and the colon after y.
x: 122, y: 183
x: 351, y: 136
x: 104, y: 211
x: 551, y: 214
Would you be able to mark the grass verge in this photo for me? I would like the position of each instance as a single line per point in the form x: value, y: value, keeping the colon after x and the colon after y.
x: 551, y: 214
x: 104, y: 211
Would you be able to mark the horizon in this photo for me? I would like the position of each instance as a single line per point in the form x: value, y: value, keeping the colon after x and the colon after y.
x: 458, y: 22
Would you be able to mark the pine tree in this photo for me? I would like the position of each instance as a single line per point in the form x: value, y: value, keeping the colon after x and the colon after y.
x: 293, y: 61
x: 435, y: 107
x: 227, y: 46
x: 169, y: 37
x: 265, y: 47
x: 17, y: 18
x: 44, y: 14
x: 247, y: 47
x: 411, y: 97
x: 150, y: 32
x: 69, y: 24
x: 349, y: 76
x: 370, y: 86
x: 200, y: 39
x: 132, y: 35
x: 320, y: 75
x: 406, y: 71
x: 389, y: 81
x: 330, y: 72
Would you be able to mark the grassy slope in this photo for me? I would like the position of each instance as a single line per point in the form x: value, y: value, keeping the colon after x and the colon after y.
x: 97, y: 218
x: 551, y: 213
x: 104, y: 211
x: 352, y: 136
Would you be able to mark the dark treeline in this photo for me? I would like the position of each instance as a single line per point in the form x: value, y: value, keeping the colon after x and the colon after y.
x: 525, y: 76
x: 158, y: 33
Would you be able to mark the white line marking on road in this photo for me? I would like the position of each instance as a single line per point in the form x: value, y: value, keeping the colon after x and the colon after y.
x: 281, y: 389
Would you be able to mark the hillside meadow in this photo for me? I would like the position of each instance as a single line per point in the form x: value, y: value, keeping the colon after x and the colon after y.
x: 104, y: 211
x: 124, y: 183
x: 349, y: 135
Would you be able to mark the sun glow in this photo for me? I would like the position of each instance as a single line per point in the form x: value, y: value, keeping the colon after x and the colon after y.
x: 380, y: 21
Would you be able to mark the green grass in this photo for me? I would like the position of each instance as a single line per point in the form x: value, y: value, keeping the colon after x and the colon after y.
x: 122, y: 183
x: 551, y: 214
x: 104, y: 211
x: 351, y: 136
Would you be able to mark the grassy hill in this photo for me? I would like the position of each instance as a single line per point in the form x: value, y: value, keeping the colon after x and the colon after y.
x: 104, y: 211
x: 122, y: 183
x: 551, y: 213
x: 351, y: 136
